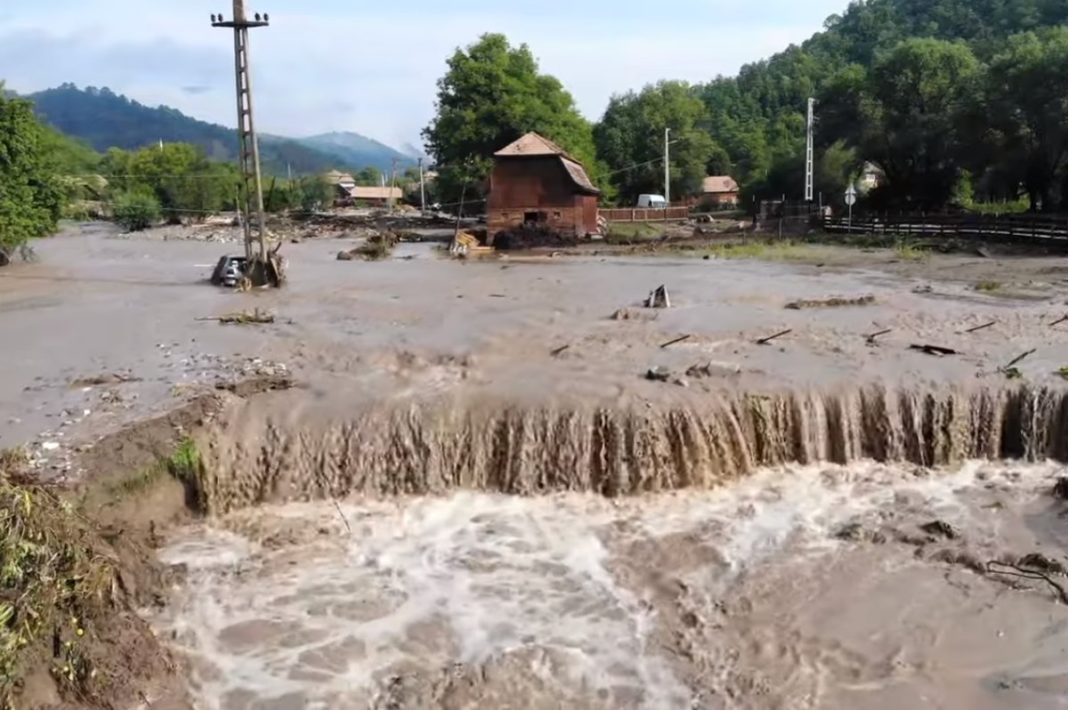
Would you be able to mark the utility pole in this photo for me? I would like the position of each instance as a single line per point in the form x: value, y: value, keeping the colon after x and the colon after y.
x: 810, y: 153
x: 248, y: 146
x: 667, y: 166
x: 422, y: 187
x: 392, y: 183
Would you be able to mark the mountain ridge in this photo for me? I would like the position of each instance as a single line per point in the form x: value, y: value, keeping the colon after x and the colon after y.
x: 104, y: 119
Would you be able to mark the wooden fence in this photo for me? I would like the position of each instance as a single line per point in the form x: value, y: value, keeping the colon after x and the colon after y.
x: 1020, y: 227
x: 670, y: 214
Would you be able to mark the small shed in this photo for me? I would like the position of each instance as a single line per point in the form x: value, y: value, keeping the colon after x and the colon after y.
x: 720, y: 190
x: 536, y: 184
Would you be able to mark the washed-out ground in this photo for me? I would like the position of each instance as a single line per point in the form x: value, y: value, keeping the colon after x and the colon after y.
x: 813, y: 587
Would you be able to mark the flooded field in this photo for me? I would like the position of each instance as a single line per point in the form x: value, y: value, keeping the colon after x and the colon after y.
x: 550, y: 496
x: 816, y: 587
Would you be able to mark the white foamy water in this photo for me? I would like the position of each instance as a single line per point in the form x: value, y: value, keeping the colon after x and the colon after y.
x: 284, y: 607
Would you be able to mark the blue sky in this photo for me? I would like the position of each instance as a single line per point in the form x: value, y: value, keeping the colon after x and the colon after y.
x: 371, y: 67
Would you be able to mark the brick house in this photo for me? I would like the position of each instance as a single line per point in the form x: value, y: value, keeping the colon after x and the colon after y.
x: 536, y: 184
x: 720, y: 190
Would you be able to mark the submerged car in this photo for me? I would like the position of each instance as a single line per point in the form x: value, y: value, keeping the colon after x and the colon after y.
x: 229, y: 271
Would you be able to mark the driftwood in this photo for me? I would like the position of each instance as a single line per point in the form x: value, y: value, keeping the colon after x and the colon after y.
x: 561, y: 350
x: 936, y: 350
x: 770, y: 338
x: 875, y: 336
x: 676, y: 341
x: 255, y: 317
x: 977, y: 328
x: 831, y: 303
x: 1055, y: 323
x: 1002, y: 569
x: 1018, y: 360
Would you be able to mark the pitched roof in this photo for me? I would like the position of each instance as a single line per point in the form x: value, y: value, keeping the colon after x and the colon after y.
x: 719, y: 184
x: 531, y: 144
x: 534, y: 145
x: 360, y: 192
x: 578, y: 175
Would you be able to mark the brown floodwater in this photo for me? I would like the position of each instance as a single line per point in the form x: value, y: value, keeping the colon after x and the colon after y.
x: 800, y: 587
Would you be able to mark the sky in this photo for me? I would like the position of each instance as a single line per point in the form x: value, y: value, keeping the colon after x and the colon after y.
x: 371, y: 67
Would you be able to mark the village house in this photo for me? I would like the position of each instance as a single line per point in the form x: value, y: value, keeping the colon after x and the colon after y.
x: 375, y: 196
x: 342, y: 182
x: 536, y: 184
x: 720, y: 190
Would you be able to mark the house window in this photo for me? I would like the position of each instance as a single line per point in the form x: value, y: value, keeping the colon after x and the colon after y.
x: 534, y: 218
x: 557, y: 215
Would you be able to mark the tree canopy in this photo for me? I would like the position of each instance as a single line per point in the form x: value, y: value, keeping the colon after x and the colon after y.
x: 492, y: 94
x: 30, y: 196
x: 180, y: 177
x: 630, y: 138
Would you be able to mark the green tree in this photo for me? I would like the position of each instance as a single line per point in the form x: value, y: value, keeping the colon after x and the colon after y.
x: 135, y: 210
x: 313, y: 193
x: 1027, y: 94
x: 492, y: 94
x: 369, y: 177
x: 630, y: 140
x: 185, y: 183
x: 914, y: 119
x: 30, y: 197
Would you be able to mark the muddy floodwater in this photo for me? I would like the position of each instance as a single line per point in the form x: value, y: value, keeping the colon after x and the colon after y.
x: 700, y: 517
x: 815, y: 587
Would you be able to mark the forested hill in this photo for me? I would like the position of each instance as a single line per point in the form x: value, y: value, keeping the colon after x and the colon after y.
x: 103, y: 119
x: 757, y: 118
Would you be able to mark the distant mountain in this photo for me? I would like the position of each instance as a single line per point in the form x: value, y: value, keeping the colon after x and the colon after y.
x: 357, y: 150
x: 105, y: 120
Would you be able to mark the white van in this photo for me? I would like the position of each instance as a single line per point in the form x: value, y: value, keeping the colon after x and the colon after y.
x: 652, y: 202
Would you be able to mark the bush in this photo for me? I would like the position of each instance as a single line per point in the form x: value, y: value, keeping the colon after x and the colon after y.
x: 135, y: 211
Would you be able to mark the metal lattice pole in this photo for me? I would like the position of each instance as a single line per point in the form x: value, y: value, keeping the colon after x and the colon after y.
x: 810, y: 152
x: 248, y: 146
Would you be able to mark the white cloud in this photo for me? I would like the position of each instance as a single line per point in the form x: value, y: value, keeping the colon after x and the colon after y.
x: 331, y: 65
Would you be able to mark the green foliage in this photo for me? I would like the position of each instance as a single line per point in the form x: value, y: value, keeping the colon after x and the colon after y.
x: 184, y: 182
x: 135, y: 210
x: 491, y: 95
x: 30, y: 196
x: 1027, y: 95
x: 630, y: 139
x: 53, y: 585
x: 313, y: 193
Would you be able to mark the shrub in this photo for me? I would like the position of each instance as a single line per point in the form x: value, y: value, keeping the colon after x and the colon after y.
x: 135, y: 211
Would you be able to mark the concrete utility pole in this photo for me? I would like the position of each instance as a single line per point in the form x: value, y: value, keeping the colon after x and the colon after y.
x: 810, y: 153
x: 248, y: 146
x: 667, y: 166
x: 392, y: 184
x: 422, y: 189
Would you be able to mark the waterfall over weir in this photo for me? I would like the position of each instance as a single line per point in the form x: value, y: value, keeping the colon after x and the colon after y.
x: 266, y: 454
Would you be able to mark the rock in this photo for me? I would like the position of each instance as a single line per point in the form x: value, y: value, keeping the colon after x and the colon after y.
x: 1060, y: 490
x: 344, y: 256
x: 940, y: 528
x: 658, y: 374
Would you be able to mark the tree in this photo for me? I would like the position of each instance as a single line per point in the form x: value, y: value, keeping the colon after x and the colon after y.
x: 491, y: 95
x: 30, y: 197
x: 1027, y: 93
x: 914, y: 119
x: 369, y: 177
x: 135, y: 210
x: 630, y: 139
x: 185, y: 183
x: 312, y: 193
